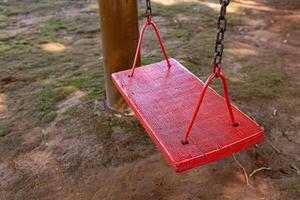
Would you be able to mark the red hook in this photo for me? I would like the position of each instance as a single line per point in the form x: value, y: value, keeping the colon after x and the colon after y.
x: 214, y: 74
x: 138, y: 50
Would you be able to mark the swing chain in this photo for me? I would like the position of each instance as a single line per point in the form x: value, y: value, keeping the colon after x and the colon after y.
x: 148, y: 9
x: 219, y: 47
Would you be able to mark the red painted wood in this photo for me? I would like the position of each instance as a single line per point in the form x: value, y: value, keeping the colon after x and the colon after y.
x: 164, y: 99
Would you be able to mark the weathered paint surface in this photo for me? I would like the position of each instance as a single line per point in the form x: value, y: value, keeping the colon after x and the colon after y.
x: 164, y: 100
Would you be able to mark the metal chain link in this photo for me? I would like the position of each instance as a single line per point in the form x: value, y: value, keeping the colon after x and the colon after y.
x: 222, y: 24
x: 148, y: 8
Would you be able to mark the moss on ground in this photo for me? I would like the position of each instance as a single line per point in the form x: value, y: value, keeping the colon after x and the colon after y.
x: 3, y: 20
x: 47, y: 100
x: 15, y: 8
x: 4, y: 47
x: 259, y: 83
x: 4, y: 36
x: 51, y: 31
x: 4, y: 128
x: 92, y: 82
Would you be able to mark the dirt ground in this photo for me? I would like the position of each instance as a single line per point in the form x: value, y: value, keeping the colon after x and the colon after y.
x: 58, y: 140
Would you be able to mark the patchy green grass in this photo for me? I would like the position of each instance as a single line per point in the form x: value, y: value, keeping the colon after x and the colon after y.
x: 260, y: 83
x: 151, y: 59
x: 194, y: 11
x: 92, y: 82
x: 47, y: 100
x: 4, y: 36
x: 12, y: 45
x: 171, y: 11
x: 4, y: 47
x: 19, y: 47
x: 13, y: 8
x: 57, y: 27
x: 3, y: 20
x: 53, y: 28
x: 54, y: 75
x: 4, y: 129
x: 181, y: 33
x: 291, y: 185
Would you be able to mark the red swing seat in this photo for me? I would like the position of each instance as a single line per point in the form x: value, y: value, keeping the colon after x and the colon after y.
x: 165, y: 98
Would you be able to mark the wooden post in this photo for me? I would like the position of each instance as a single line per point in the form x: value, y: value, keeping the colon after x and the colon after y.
x: 119, y: 28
